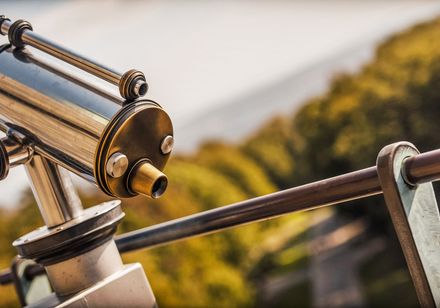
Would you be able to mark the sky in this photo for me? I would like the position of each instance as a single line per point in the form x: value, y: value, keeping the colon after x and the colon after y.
x: 219, y: 68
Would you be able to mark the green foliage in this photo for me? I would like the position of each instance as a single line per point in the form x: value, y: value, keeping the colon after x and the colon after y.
x: 238, y: 167
x: 273, y: 148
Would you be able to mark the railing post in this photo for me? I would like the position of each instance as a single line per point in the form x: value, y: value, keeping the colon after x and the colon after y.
x: 415, y: 216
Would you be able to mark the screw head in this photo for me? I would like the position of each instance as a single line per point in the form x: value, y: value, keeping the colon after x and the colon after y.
x: 167, y: 145
x: 117, y: 164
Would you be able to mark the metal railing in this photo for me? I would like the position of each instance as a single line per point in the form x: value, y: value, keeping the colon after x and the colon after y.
x: 416, y: 169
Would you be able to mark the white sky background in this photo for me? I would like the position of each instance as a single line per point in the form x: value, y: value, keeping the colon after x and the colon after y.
x: 201, y: 55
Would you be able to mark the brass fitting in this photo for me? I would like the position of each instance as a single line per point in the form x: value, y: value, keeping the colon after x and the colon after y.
x: 145, y: 179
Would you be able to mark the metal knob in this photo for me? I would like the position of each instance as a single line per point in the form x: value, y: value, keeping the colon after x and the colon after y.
x: 12, y: 153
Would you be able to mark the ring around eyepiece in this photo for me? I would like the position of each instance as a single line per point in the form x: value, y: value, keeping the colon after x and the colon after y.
x: 133, y: 85
x: 16, y: 31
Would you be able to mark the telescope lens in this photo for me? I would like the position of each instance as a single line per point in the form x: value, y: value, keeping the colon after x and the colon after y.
x: 159, y: 187
x: 143, y: 89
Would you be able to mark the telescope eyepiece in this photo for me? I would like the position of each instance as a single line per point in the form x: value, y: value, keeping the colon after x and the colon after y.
x: 147, y: 180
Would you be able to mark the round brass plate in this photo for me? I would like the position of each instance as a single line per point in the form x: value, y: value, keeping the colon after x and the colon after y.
x: 136, y: 131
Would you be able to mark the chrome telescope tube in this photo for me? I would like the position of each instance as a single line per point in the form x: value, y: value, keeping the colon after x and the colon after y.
x: 82, y: 128
x: 132, y: 84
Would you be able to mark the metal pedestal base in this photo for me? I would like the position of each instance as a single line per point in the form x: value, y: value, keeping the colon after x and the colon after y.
x: 128, y: 287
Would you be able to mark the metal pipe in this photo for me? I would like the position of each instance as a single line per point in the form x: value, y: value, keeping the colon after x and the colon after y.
x: 132, y: 84
x: 350, y: 186
x: 422, y: 168
x: 17, y: 153
x: 37, y: 41
x: 54, y: 191
x: 339, y: 189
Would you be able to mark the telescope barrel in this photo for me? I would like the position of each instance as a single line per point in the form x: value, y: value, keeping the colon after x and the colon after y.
x: 81, y: 128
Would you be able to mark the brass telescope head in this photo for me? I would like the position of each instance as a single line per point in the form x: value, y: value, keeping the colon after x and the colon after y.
x: 129, y: 156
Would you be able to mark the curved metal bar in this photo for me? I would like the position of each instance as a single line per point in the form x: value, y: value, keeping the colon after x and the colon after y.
x: 335, y: 190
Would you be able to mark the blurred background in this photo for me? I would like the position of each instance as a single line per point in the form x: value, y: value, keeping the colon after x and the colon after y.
x: 264, y: 95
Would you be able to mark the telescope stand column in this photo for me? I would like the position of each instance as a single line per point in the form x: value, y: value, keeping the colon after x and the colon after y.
x: 54, y: 191
x: 76, y: 247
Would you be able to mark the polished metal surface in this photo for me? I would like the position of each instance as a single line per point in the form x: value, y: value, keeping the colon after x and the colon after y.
x: 54, y: 191
x: 131, y: 86
x: 116, y: 165
x: 52, y: 245
x: 137, y: 131
x: 78, y: 273
x: 66, y: 118
x: 422, y: 168
x: 339, y: 189
x: 13, y: 153
x: 128, y: 287
x: 167, y: 145
x: 74, y: 124
x: 54, y: 119
x: 350, y: 186
x: 17, y: 153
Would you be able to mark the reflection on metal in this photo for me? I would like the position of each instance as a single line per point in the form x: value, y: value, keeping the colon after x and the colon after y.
x: 13, y: 152
x: 77, y: 126
x: 128, y: 287
x: 116, y: 165
x: 415, y: 216
x: 132, y: 84
x: 53, y: 189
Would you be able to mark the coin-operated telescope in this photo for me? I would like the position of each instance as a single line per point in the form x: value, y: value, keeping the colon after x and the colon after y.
x: 56, y: 120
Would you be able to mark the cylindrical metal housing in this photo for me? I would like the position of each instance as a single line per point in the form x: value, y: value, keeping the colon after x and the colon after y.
x: 74, y: 123
x: 78, y: 273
